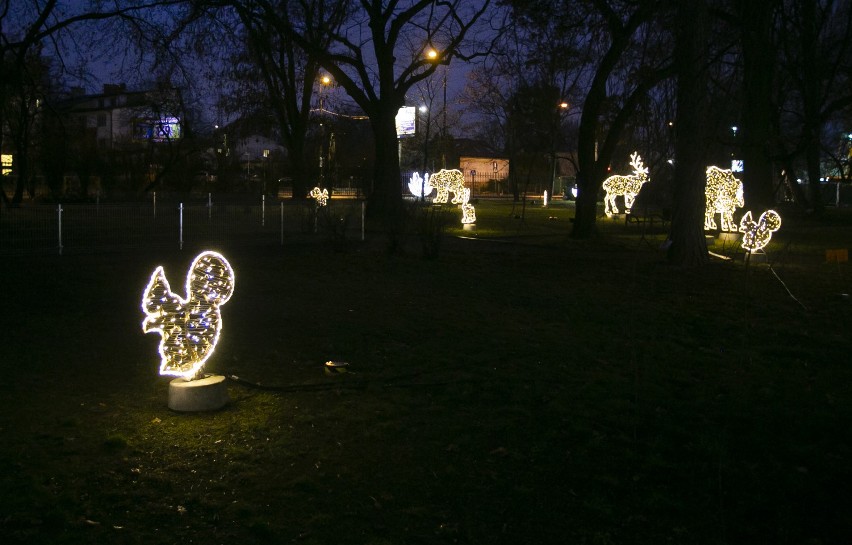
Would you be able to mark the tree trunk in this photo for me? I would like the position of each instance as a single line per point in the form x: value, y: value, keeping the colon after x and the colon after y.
x: 588, y: 175
x: 385, y: 200
x: 688, y: 245
x: 811, y: 103
x: 759, y: 56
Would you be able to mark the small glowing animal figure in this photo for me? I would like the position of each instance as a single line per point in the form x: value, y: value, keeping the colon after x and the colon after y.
x: 627, y: 186
x: 418, y: 184
x: 756, y: 234
x: 468, y: 211
x: 445, y: 181
x: 319, y: 195
x: 723, y: 194
x: 189, y: 327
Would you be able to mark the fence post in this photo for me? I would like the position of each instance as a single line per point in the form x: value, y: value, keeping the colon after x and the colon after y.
x: 282, y: 223
x: 362, y: 221
x: 263, y: 210
x: 59, y: 212
x: 181, y: 226
x: 155, y: 205
x: 209, y: 205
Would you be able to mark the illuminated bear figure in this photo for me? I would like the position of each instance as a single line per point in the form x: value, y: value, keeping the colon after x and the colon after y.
x: 626, y: 186
x: 189, y: 327
x: 756, y: 234
x: 319, y: 195
x: 723, y: 194
x: 445, y: 181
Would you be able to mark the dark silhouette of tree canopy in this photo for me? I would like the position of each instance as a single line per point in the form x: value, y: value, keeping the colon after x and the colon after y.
x: 26, y: 28
x: 376, y: 57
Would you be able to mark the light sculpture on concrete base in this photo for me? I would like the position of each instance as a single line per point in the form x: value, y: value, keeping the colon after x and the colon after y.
x: 452, y: 180
x: 756, y: 234
x: 189, y: 328
x: 723, y: 195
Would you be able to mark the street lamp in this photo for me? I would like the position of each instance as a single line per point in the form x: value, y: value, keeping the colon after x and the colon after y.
x: 425, y: 110
x: 435, y: 57
x: 561, y: 108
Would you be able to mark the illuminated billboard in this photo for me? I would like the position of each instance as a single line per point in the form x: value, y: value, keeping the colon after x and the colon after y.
x: 405, y: 121
x: 158, y: 130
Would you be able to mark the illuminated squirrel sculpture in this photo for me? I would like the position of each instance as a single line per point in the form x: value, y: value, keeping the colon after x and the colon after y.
x: 189, y: 327
x: 756, y: 234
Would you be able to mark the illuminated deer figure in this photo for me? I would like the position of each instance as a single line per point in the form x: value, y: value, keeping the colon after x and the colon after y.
x: 445, y: 181
x: 723, y: 194
x: 626, y: 186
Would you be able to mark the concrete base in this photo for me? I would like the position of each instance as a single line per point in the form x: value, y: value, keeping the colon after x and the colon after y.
x: 729, y: 236
x: 757, y: 257
x: 206, y: 394
x: 469, y: 226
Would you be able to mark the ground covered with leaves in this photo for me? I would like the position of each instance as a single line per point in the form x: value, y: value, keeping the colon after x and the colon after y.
x: 520, y: 387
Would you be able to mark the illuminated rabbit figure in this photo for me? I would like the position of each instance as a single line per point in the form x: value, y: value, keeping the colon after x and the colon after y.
x: 468, y: 211
x: 626, y: 186
x: 190, y: 326
x: 756, y: 234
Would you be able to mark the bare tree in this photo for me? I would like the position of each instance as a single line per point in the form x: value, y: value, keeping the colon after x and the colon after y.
x: 31, y: 28
x: 377, y: 56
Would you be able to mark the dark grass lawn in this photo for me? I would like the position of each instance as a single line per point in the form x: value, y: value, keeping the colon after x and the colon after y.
x: 529, y: 389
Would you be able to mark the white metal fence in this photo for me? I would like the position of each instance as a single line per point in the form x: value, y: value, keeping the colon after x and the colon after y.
x: 48, y: 228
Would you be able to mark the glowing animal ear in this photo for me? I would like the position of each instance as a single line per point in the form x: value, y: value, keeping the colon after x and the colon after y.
x: 211, y: 277
x: 746, y: 221
x: 157, y: 293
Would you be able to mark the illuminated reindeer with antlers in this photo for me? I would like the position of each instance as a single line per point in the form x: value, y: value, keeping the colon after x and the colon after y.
x: 627, y: 186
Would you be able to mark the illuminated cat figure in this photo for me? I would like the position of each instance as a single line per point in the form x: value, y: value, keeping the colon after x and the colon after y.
x: 756, y: 234
x: 189, y: 327
x: 319, y: 195
x: 626, y: 186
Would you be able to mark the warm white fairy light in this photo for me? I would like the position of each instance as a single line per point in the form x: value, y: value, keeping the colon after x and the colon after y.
x: 468, y: 211
x: 445, y: 181
x: 319, y: 195
x: 626, y: 186
x: 418, y: 184
x: 756, y: 234
x: 190, y: 326
x: 723, y: 195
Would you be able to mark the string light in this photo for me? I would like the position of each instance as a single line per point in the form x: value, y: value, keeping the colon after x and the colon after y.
x: 445, y: 181
x: 319, y: 195
x: 626, y: 186
x: 723, y: 195
x: 756, y: 234
x: 468, y: 211
x: 189, y: 327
